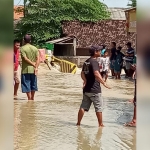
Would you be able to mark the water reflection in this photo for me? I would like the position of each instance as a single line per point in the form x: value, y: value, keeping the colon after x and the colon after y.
x: 84, y: 142
x: 25, y: 126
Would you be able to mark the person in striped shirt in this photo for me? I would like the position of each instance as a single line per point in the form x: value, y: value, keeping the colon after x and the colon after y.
x: 129, y: 56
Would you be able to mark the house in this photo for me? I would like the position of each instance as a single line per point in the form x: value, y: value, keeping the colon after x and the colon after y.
x: 18, y: 14
x: 131, y: 19
x: 65, y: 46
x: 102, y: 32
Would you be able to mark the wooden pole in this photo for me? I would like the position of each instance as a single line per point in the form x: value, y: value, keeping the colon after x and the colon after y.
x: 24, y: 11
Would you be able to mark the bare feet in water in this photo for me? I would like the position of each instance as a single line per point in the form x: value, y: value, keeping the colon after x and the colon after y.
x: 131, y: 124
x: 15, y: 97
x: 78, y: 124
x: 101, y: 125
x: 131, y: 100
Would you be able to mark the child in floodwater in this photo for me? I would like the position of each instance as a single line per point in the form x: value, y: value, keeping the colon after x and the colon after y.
x: 118, y: 62
x: 100, y: 61
x: 105, y: 65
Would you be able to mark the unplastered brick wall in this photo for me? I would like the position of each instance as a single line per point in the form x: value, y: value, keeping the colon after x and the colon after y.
x: 105, y: 32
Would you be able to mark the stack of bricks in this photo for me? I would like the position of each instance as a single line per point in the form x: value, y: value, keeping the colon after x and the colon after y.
x: 102, y: 32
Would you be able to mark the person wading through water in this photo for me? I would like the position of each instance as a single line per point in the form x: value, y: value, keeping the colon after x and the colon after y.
x: 91, y: 86
x: 30, y: 63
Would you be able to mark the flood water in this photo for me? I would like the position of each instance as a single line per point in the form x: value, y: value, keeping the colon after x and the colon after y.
x: 49, y: 123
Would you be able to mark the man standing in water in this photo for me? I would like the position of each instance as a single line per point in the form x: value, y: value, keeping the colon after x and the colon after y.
x: 30, y: 63
x: 112, y: 57
x: 133, y: 122
x: 16, y: 65
x: 129, y: 56
x: 91, y: 86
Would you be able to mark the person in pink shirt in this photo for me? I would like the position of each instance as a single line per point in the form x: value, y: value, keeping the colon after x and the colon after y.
x: 16, y: 65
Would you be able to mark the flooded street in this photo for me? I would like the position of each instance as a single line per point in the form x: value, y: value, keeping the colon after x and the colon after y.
x: 49, y: 123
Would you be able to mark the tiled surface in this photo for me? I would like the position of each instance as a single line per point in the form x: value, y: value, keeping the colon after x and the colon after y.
x: 100, y: 32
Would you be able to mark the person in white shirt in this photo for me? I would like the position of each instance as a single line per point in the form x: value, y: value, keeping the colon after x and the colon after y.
x: 100, y: 62
x: 105, y: 65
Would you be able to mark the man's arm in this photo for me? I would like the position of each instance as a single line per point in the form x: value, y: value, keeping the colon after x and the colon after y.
x: 83, y: 78
x: 131, y: 55
x: 30, y: 62
x: 100, y: 79
x: 37, y: 60
x: 26, y: 59
x: 20, y: 59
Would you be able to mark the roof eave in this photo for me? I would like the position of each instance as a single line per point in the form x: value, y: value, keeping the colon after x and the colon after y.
x: 133, y: 8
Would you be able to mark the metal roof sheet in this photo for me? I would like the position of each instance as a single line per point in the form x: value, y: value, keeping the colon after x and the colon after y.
x: 60, y: 40
x: 117, y: 13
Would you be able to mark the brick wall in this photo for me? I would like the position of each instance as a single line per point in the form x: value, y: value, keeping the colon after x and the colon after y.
x: 97, y: 33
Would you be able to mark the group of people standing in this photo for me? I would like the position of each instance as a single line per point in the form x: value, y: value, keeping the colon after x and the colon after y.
x: 93, y: 71
x: 116, y: 61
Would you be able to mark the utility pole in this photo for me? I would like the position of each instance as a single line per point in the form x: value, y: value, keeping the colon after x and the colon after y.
x: 24, y: 11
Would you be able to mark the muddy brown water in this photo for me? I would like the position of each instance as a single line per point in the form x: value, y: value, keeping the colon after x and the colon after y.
x: 48, y: 123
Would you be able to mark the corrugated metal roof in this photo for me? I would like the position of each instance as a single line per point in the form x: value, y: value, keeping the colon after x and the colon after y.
x: 60, y: 40
x: 129, y: 9
x: 117, y: 13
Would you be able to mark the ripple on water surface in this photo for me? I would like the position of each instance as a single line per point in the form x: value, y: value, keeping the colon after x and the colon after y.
x: 49, y: 122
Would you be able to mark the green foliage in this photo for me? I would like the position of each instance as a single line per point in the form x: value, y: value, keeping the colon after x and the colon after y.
x: 44, y: 17
x: 133, y: 3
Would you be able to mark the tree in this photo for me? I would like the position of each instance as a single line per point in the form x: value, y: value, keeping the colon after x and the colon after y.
x: 44, y: 17
x: 132, y: 4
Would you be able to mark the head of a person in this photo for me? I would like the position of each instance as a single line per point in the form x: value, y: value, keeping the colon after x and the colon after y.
x: 16, y: 44
x: 113, y: 44
x: 119, y: 48
x: 95, y: 51
x: 104, y: 46
x: 129, y: 45
x: 27, y: 38
x: 105, y: 53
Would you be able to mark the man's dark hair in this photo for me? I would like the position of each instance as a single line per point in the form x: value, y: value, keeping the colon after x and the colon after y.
x: 114, y: 43
x: 27, y: 38
x: 129, y: 44
x: 16, y: 41
x: 93, y: 49
x: 119, y: 48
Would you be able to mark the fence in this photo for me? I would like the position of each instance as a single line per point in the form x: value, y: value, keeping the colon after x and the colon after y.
x: 65, y: 66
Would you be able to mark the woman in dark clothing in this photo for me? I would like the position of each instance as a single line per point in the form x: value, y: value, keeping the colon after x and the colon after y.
x: 112, y: 57
x: 118, y: 62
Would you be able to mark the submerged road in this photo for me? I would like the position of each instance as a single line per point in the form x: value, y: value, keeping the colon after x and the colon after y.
x: 48, y: 123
